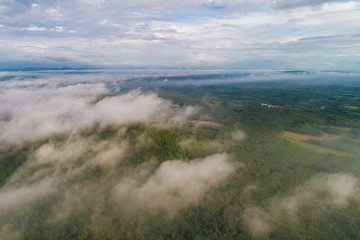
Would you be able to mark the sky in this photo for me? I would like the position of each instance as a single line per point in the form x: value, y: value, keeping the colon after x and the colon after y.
x: 204, y: 34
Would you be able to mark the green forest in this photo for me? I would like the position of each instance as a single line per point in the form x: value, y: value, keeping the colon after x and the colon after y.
x: 288, y: 168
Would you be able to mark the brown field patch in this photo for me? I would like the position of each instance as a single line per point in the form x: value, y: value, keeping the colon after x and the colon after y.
x: 304, y: 137
x: 208, y: 123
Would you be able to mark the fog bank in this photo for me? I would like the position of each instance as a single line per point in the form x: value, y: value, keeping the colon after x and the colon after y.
x: 174, y: 185
x: 29, y: 114
x: 317, y: 197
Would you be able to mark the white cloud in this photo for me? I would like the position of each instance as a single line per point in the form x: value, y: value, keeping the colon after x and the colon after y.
x: 34, y: 113
x: 12, y: 198
x: 174, y: 185
x: 197, y: 33
x: 238, y: 135
x: 289, y: 4
x: 34, y: 28
x: 319, y: 195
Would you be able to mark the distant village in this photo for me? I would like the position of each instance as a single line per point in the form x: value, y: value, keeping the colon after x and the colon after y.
x: 269, y: 105
x: 276, y: 106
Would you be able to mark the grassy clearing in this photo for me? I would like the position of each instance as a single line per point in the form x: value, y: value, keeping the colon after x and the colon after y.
x: 208, y: 123
x: 305, y: 137
x: 352, y: 107
x: 309, y: 146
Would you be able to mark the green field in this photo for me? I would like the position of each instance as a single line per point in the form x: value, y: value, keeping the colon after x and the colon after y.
x: 352, y: 107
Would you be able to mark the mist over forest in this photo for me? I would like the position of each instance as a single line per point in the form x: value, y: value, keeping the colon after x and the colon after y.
x: 179, y: 154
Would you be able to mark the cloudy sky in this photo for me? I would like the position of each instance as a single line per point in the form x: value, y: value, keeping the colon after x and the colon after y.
x: 222, y: 34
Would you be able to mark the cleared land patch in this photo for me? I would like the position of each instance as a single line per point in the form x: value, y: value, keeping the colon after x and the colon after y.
x: 208, y: 123
x: 352, y: 107
x: 305, y: 141
x: 305, y: 137
x: 312, y: 147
